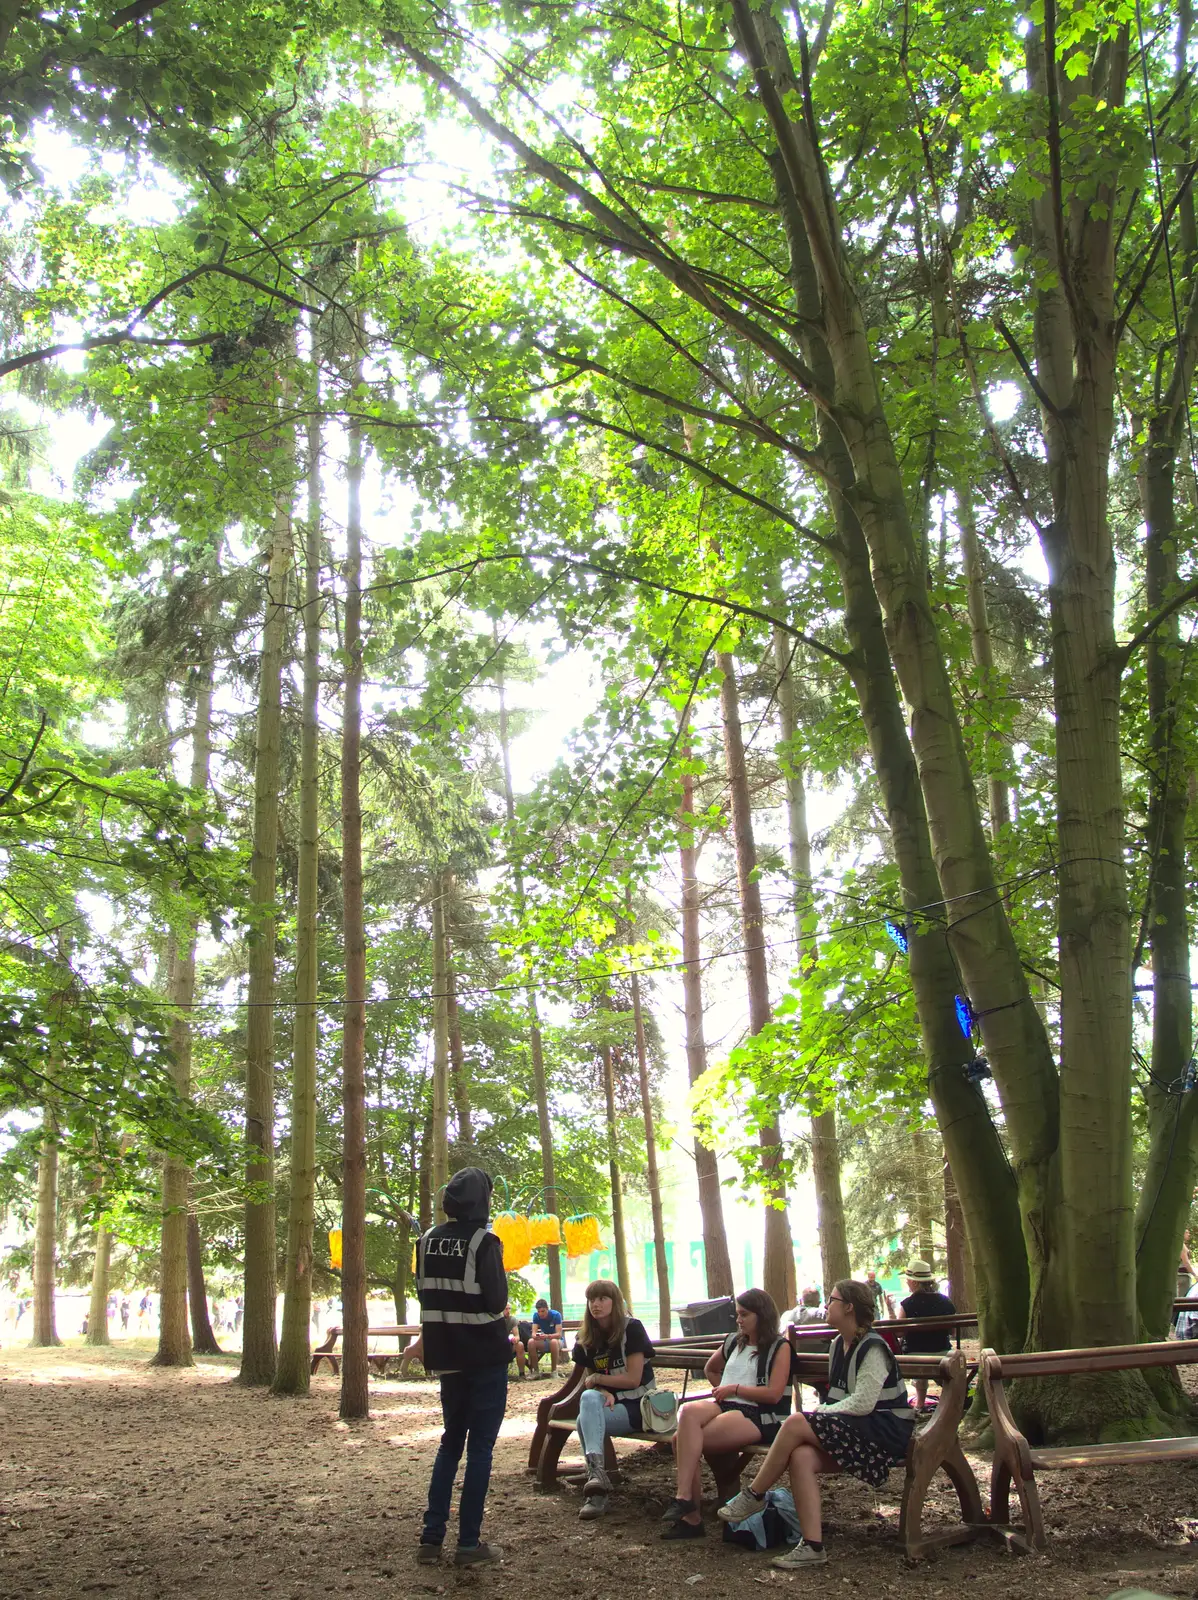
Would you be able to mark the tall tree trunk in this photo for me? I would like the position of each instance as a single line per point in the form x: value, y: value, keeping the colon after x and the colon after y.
x: 97, y: 1311
x: 1172, y: 1103
x: 1091, y: 1292
x: 440, y: 1047
x: 203, y: 1340
x: 535, y: 1047
x: 355, y: 1369
x: 45, y: 1235
x: 453, y: 1022
x: 825, y: 1146
x: 617, y: 1181
x: 711, y: 1200
x: 779, y: 1267
x: 295, y: 1353
x: 174, y: 1344
x: 651, y: 1173
x: 982, y: 646
x: 922, y: 1202
x: 259, y: 1348
x: 956, y: 1245
x: 425, y: 1177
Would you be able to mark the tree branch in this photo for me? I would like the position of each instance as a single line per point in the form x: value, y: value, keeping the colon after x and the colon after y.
x: 1141, y: 637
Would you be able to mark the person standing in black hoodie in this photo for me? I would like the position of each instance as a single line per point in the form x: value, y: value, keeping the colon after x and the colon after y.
x: 463, y: 1292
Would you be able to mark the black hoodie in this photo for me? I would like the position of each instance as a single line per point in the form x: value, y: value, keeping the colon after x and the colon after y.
x: 450, y: 1343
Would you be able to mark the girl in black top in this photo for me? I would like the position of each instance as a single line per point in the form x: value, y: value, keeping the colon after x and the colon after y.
x: 617, y: 1355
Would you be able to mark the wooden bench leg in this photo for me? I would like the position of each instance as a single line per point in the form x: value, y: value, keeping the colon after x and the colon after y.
x: 920, y: 1473
x: 550, y: 1455
x: 1032, y: 1535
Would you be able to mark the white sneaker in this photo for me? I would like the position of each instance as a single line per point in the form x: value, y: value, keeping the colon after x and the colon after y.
x: 802, y: 1555
x: 743, y: 1504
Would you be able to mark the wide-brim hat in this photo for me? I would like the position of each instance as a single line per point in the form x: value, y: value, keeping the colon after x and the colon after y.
x: 919, y: 1272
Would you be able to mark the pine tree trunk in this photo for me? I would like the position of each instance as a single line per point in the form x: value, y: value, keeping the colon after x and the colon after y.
x: 259, y: 1349
x: 711, y: 1199
x: 425, y: 1177
x: 825, y: 1146
x: 535, y: 1049
x: 97, y: 1311
x: 617, y: 1181
x: 651, y: 1173
x: 295, y: 1348
x: 203, y: 1339
x: 45, y: 1245
x: 779, y: 1268
x: 982, y: 646
x: 921, y: 1198
x: 355, y: 1369
x: 440, y: 1151
x: 174, y: 1343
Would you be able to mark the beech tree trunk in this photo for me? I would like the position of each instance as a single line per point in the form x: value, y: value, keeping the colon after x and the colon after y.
x: 779, y: 1268
x: 97, y: 1311
x: 711, y: 1198
x: 535, y: 1049
x: 203, y: 1339
x: 956, y: 1245
x: 355, y: 1369
x: 440, y: 1147
x: 617, y: 1181
x: 457, y: 1055
x: 259, y: 1351
x: 1169, y: 1095
x: 45, y: 1248
x: 295, y: 1347
x: 651, y: 1173
x: 825, y: 1146
x: 982, y: 648
x: 174, y: 1343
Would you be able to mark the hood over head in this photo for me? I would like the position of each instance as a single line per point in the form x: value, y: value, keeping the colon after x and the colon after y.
x: 468, y: 1195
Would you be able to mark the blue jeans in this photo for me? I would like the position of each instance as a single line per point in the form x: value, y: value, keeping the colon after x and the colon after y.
x: 596, y: 1421
x: 472, y: 1407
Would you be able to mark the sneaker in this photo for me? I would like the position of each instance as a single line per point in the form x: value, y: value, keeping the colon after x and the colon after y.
x: 802, y: 1555
x: 677, y: 1509
x: 684, y: 1530
x: 427, y: 1555
x: 593, y: 1509
x: 742, y: 1505
x: 476, y: 1554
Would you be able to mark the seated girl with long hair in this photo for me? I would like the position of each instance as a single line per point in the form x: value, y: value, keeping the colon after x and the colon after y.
x: 863, y: 1427
x: 617, y: 1354
x: 750, y: 1399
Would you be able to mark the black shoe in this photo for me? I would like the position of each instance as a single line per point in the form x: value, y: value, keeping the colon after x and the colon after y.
x: 427, y: 1555
x: 684, y: 1530
x: 476, y: 1554
x: 678, y: 1509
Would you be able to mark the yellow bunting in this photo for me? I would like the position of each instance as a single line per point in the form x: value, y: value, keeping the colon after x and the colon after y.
x: 545, y: 1228
x: 335, y: 1248
x: 582, y: 1234
x: 514, y: 1233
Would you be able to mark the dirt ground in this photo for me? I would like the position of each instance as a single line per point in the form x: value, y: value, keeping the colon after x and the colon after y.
x: 116, y: 1477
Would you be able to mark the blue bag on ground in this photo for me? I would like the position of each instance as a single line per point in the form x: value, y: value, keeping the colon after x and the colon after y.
x: 776, y: 1524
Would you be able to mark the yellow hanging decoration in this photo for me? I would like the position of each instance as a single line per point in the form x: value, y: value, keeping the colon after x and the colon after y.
x: 545, y: 1228
x: 412, y: 1269
x: 582, y: 1234
x: 335, y: 1249
x: 513, y: 1232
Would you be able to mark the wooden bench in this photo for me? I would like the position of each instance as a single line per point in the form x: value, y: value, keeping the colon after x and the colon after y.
x: 1016, y: 1461
x: 376, y: 1359
x: 814, y: 1332
x: 934, y: 1445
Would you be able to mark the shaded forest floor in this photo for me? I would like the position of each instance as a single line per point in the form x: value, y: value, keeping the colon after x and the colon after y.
x: 116, y: 1477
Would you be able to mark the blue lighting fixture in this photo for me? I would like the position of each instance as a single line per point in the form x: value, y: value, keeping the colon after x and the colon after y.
x: 964, y: 1016
x: 898, y: 934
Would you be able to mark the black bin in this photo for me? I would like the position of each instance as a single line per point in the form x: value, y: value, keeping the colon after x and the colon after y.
x: 709, y: 1316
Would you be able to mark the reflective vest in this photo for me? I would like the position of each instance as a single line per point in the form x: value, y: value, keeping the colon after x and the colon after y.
x: 458, y: 1331
x: 780, y: 1410
x: 842, y: 1373
x: 617, y: 1361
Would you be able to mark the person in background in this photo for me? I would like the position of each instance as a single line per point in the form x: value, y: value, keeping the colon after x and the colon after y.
x: 547, y: 1329
x: 125, y: 1314
x: 462, y: 1289
x: 924, y: 1300
x: 809, y: 1309
x: 882, y: 1306
x: 617, y: 1353
x: 1185, y: 1277
x: 750, y: 1399
x: 514, y: 1339
x: 862, y: 1428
